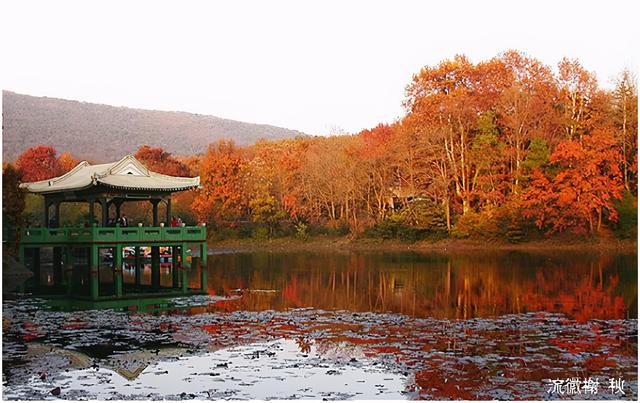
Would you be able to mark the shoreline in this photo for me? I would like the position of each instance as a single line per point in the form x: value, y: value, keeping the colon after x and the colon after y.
x: 345, y: 244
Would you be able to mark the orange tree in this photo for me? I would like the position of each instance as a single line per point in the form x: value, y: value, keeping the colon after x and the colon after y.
x: 221, y: 199
x: 158, y: 160
x: 38, y: 163
x: 583, y: 190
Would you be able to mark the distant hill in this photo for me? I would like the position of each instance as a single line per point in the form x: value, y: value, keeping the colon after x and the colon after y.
x: 102, y: 132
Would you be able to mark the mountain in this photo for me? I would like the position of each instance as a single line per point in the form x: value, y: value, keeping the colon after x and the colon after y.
x: 105, y: 133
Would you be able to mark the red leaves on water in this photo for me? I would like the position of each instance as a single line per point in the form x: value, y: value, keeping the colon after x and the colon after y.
x: 31, y: 331
x: 74, y: 325
x: 464, y: 382
x: 595, y: 364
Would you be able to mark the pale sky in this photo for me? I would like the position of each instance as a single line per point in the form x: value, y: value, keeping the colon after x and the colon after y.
x: 316, y: 66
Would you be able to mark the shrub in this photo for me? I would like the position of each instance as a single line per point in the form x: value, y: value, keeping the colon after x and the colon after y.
x: 627, y: 208
x: 260, y: 233
x: 492, y: 223
x: 301, y: 230
x: 418, y: 220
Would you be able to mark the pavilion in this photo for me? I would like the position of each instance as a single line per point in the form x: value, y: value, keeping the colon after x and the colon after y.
x: 105, y: 262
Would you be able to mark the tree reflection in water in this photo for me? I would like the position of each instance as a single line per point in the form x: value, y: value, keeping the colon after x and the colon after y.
x: 441, y: 286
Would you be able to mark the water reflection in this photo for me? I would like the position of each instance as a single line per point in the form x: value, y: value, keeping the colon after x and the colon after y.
x: 602, y: 286
x: 276, y: 369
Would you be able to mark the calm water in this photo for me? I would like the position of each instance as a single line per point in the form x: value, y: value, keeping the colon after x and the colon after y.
x: 429, y: 285
x: 344, y: 326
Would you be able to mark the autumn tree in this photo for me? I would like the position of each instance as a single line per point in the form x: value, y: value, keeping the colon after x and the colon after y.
x: 526, y: 109
x: 67, y: 162
x: 421, y: 166
x: 38, y: 163
x: 262, y: 182
x: 577, y: 90
x: 375, y: 153
x: 13, y: 199
x: 449, y: 98
x: 582, y: 193
x: 158, y: 160
x: 221, y: 199
x: 625, y: 117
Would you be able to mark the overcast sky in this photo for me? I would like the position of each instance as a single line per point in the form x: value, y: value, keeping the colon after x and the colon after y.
x: 319, y: 67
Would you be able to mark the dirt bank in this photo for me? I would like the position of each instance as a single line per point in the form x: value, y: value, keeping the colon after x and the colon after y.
x: 323, y: 243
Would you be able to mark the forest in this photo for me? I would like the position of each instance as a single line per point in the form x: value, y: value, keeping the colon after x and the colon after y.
x: 503, y: 149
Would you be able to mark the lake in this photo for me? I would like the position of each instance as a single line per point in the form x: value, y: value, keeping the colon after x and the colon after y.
x: 347, y: 326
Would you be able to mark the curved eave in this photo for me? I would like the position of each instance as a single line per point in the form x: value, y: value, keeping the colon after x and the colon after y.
x: 53, y: 191
x: 128, y: 188
x: 151, y: 189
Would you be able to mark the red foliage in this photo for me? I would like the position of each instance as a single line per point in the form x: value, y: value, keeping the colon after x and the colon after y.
x: 38, y: 163
x: 582, y: 191
x: 158, y: 160
x: 67, y: 162
x: 222, y: 199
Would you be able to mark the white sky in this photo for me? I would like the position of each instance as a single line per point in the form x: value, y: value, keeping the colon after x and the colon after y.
x: 319, y: 67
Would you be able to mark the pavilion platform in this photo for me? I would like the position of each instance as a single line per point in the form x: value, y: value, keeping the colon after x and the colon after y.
x: 103, y: 261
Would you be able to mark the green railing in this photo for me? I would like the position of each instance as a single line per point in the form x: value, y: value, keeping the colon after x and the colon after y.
x: 112, y: 234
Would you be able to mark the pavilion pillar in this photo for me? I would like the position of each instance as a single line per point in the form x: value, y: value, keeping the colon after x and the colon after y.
x: 155, y: 267
x: 118, y: 204
x: 47, y: 204
x: 174, y: 266
x: 184, y: 267
x: 93, y: 273
x: 203, y: 266
x: 35, y: 265
x: 21, y: 259
x: 118, y: 269
x: 58, y: 275
x: 91, y: 213
x: 155, y: 212
x: 137, y: 264
x: 169, y: 213
x: 105, y: 212
x: 21, y: 254
x: 68, y: 265
x: 57, y: 210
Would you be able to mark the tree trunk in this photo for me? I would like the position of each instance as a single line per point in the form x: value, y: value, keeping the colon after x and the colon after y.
x: 447, y: 213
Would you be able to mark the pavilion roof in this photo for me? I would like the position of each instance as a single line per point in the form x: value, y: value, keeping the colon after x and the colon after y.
x: 125, y: 174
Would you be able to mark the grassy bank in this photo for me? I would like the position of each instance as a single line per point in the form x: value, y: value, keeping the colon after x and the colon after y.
x: 327, y: 243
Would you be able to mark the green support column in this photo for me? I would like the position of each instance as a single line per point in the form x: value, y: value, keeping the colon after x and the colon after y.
x: 35, y: 266
x: 105, y: 212
x: 57, y: 210
x: 155, y: 267
x: 46, y: 213
x: 21, y: 259
x: 169, y: 213
x: 118, y: 269
x: 184, y: 267
x: 68, y: 264
x: 154, y: 203
x: 174, y: 266
x: 58, y: 275
x: 203, y: 266
x: 91, y: 213
x: 137, y: 263
x: 93, y: 273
